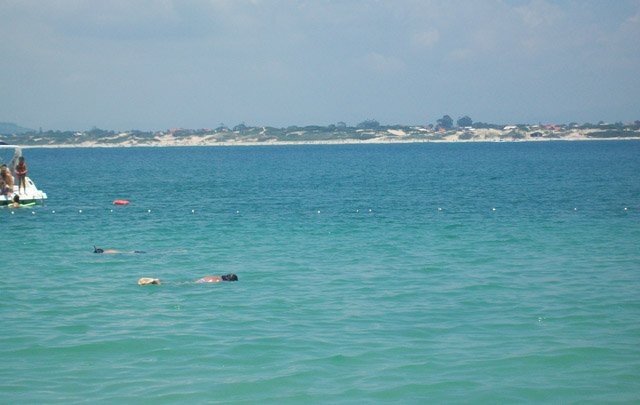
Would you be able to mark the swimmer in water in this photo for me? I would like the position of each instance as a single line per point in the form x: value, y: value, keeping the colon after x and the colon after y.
x: 16, y: 201
x: 96, y: 250
x: 210, y: 279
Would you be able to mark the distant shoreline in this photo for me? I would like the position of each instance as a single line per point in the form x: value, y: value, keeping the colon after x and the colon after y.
x: 322, y: 142
x: 257, y: 136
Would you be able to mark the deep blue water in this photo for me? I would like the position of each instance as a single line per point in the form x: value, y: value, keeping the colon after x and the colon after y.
x: 413, y: 273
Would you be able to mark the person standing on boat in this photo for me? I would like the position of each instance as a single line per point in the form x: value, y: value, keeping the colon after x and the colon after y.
x: 21, y: 174
x: 6, y: 180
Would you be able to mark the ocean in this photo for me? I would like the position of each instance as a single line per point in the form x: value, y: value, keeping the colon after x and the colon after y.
x: 396, y: 273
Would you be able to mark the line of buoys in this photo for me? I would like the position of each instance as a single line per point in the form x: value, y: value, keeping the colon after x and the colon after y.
x: 80, y: 211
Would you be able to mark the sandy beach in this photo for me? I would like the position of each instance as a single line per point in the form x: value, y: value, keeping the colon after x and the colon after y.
x: 534, y: 134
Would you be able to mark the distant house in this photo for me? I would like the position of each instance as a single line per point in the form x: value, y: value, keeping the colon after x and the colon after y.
x: 536, y: 135
x: 428, y: 128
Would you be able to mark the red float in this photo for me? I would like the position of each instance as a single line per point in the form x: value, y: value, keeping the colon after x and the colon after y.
x: 121, y: 202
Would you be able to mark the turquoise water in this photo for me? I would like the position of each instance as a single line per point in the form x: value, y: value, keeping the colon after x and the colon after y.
x: 422, y: 273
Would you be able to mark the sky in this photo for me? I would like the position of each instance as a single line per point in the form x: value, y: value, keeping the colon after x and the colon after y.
x: 160, y: 64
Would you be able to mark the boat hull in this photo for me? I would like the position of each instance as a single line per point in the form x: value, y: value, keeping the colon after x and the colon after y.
x: 29, y: 195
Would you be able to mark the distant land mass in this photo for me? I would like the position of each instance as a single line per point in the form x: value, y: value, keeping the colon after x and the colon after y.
x: 369, y: 131
x: 7, y: 128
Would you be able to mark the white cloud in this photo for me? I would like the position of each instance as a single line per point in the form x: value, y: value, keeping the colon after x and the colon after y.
x: 458, y: 55
x: 383, y: 64
x: 540, y: 13
x: 426, y: 39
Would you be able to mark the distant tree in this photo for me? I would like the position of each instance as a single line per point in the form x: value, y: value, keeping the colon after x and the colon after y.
x: 98, y: 133
x: 369, y: 124
x: 341, y: 124
x: 465, y: 121
x: 240, y: 127
x: 484, y: 125
x: 445, y: 122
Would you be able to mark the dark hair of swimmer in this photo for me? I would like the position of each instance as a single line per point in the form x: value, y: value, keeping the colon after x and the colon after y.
x: 229, y: 277
x: 96, y: 250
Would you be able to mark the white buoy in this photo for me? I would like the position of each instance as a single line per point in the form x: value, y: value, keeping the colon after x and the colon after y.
x: 318, y: 212
x: 33, y: 213
x: 369, y: 210
x: 12, y: 212
x: 439, y: 209
x: 237, y: 212
x: 575, y: 209
x: 148, y: 210
x: 625, y: 208
x: 357, y: 210
x: 192, y: 211
x: 79, y: 211
x: 53, y: 212
x: 494, y: 209
x: 111, y: 210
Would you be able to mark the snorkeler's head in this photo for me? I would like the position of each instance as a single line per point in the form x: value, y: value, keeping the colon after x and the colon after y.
x: 96, y: 250
x: 229, y: 277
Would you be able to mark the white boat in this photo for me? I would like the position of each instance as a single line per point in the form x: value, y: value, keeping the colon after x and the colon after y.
x: 27, y: 195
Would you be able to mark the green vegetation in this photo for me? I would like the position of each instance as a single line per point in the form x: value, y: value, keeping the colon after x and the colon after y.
x: 367, y: 130
x: 612, y: 133
x: 445, y: 122
x: 465, y: 121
